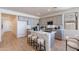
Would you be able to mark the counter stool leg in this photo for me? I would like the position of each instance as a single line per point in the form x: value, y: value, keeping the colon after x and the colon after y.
x: 66, y: 45
x: 40, y: 46
x: 36, y: 44
x: 30, y: 41
x: 44, y: 46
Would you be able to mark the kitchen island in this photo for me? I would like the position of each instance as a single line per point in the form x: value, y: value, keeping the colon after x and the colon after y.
x: 49, y: 38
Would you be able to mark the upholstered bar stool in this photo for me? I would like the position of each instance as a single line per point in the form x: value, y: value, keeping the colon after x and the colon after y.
x: 34, y: 41
x: 41, y: 45
x: 29, y: 38
x: 72, y: 43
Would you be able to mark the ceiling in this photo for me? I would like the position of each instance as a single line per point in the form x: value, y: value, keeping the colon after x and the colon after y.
x: 37, y: 11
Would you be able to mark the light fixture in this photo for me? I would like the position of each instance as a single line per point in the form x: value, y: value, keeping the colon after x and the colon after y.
x: 49, y: 10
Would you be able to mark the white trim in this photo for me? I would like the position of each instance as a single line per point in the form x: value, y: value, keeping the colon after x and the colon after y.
x: 63, y: 20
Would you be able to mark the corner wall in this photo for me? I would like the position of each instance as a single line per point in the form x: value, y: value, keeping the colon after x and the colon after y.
x: 0, y: 27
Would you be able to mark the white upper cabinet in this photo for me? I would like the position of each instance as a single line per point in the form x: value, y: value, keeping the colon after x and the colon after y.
x: 33, y: 22
x: 69, y: 17
x: 70, y: 21
x: 21, y: 18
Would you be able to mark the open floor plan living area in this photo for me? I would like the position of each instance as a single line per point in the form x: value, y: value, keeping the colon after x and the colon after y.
x: 39, y: 29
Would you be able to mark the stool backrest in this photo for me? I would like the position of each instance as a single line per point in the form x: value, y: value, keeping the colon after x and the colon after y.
x: 71, y: 33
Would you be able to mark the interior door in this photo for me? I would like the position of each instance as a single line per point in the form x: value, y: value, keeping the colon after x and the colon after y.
x: 21, y: 28
x: 6, y: 26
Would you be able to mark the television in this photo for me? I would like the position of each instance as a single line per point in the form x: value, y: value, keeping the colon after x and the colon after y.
x: 50, y: 23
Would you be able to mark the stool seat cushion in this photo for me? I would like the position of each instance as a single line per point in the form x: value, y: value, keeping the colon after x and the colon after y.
x: 34, y: 37
x: 41, y: 41
x: 30, y: 35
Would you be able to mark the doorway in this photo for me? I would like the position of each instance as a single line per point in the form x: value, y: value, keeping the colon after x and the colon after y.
x: 9, y: 23
x: 21, y: 27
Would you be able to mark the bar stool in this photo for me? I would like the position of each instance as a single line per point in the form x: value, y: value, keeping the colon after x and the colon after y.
x: 41, y: 45
x: 72, y: 43
x: 34, y: 41
x: 29, y: 39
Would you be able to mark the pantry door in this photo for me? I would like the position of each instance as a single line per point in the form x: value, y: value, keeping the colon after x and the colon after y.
x: 21, y: 28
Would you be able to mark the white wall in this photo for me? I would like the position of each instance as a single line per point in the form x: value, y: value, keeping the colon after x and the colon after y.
x: 78, y: 20
x: 0, y: 27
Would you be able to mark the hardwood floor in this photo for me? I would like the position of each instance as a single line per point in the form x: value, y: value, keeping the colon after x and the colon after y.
x: 11, y: 43
x: 59, y: 45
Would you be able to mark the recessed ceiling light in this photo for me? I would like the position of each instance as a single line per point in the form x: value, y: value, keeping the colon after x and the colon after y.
x: 49, y: 10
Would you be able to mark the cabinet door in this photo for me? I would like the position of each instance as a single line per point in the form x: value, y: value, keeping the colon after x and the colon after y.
x: 33, y: 22
x: 70, y: 21
x: 69, y: 17
x: 70, y: 26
